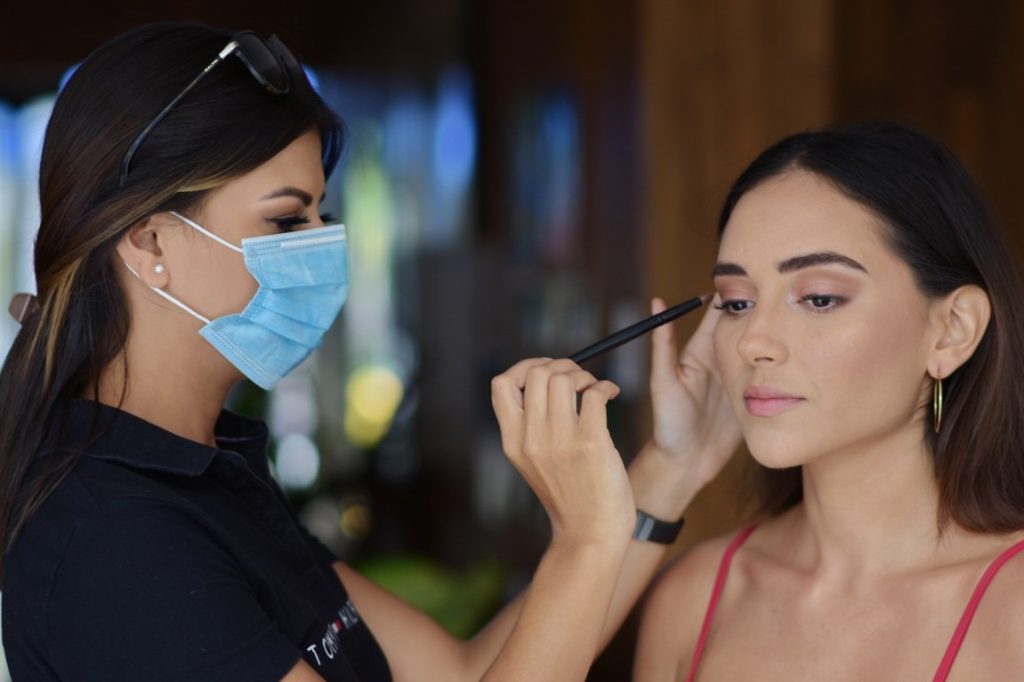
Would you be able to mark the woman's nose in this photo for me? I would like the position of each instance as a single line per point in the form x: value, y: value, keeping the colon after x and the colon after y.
x: 760, y: 341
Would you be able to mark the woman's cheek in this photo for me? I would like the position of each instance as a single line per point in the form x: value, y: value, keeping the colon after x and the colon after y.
x: 727, y: 357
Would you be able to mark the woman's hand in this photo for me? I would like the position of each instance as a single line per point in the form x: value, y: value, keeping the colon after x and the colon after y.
x: 694, y: 425
x: 566, y: 456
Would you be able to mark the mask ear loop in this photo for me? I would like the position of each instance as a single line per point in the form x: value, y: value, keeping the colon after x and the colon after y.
x: 196, y: 226
x: 168, y: 297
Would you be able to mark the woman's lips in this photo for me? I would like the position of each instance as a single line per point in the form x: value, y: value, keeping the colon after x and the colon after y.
x: 765, y: 401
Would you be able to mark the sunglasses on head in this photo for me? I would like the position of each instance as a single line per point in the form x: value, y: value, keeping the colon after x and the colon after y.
x: 269, y: 61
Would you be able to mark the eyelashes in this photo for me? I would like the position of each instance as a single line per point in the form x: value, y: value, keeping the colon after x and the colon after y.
x: 815, y: 303
x: 821, y: 303
x: 733, y: 307
x: 290, y: 223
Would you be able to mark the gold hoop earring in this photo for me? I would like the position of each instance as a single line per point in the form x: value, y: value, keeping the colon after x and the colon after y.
x: 937, y: 403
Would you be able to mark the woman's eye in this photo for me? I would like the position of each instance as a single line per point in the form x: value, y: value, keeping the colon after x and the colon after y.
x: 734, y: 307
x: 289, y: 224
x: 823, y: 302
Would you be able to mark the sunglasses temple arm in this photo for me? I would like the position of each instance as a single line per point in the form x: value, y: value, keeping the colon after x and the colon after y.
x: 126, y: 163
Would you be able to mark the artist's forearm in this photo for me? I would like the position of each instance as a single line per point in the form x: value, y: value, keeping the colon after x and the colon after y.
x: 483, y: 649
x: 560, y: 623
x: 659, y: 489
x: 664, y: 491
x: 641, y: 561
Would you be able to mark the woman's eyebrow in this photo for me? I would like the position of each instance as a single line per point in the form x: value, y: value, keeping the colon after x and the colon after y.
x: 305, y: 197
x: 794, y: 263
x: 722, y: 269
x: 820, y: 258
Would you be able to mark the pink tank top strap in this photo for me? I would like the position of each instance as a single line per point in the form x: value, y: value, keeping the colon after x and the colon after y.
x: 965, y: 620
x: 716, y: 595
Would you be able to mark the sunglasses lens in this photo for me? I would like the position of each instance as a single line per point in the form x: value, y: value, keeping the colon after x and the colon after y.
x: 284, y: 54
x: 262, y: 62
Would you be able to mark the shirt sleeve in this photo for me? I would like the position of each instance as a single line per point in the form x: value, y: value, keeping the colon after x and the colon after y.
x: 144, y: 592
x: 321, y: 553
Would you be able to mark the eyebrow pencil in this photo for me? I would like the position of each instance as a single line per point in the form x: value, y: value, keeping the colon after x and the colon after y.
x: 638, y: 329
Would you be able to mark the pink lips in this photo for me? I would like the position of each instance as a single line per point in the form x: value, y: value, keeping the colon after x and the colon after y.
x: 765, y: 401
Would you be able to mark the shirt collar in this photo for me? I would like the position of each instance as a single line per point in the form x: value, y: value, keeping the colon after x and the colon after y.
x: 107, y: 433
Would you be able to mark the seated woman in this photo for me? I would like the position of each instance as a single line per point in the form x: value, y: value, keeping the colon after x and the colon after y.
x: 869, y: 339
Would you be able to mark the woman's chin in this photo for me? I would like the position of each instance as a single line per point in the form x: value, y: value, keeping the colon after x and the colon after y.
x: 776, y: 455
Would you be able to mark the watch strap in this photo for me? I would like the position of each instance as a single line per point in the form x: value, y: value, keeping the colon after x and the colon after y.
x: 655, y: 530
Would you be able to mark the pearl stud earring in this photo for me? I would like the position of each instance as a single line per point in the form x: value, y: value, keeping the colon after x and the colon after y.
x: 158, y: 268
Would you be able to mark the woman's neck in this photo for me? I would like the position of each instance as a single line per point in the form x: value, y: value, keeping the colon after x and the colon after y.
x: 872, y: 509
x: 184, y: 403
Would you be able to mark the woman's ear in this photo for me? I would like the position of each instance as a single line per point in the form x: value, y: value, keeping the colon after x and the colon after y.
x: 141, y: 249
x: 960, y: 320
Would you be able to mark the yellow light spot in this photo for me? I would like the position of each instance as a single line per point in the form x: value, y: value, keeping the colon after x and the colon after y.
x: 373, y: 395
x: 355, y: 521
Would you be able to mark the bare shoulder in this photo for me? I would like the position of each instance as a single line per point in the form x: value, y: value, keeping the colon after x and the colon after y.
x: 674, y: 609
x: 691, y: 574
x: 997, y: 629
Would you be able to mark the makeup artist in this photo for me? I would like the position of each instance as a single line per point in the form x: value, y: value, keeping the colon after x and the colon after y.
x: 180, y: 250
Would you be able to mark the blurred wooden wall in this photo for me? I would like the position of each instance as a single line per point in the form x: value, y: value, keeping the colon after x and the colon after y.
x: 720, y: 81
x: 953, y: 69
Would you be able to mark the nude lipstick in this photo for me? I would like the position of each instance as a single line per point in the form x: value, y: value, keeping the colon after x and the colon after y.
x: 765, y: 401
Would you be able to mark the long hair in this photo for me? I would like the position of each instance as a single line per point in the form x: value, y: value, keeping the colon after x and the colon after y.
x: 939, y: 224
x: 227, y: 126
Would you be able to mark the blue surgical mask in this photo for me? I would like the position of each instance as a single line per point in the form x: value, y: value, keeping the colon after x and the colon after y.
x: 303, y: 282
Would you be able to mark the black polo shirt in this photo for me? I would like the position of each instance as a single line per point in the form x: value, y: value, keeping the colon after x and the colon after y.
x: 158, y: 558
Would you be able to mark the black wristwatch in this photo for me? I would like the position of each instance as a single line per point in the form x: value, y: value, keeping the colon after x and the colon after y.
x: 655, y: 530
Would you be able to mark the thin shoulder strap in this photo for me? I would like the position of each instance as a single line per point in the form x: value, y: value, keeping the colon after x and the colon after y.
x: 965, y: 620
x: 716, y: 595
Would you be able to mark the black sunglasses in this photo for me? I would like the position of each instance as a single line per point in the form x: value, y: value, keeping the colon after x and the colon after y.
x: 270, y: 62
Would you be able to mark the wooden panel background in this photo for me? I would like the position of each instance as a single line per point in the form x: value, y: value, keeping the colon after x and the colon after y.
x: 720, y: 82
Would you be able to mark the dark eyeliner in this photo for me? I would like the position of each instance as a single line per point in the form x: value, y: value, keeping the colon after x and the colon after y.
x: 834, y: 301
x: 728, y: 308
x: 289, y: 224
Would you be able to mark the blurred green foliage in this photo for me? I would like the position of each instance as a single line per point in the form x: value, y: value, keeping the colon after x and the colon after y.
x: 461, y: 602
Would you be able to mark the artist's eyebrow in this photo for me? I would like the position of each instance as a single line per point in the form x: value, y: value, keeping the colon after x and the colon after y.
x: 791, y: 264
x: 305, y: 197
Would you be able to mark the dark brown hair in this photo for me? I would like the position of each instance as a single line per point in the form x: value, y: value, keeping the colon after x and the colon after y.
x: 227, y: 126
x: 940, y: 225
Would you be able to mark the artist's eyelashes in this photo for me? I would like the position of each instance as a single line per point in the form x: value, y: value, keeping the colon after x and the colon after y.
x: 289, y: 223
